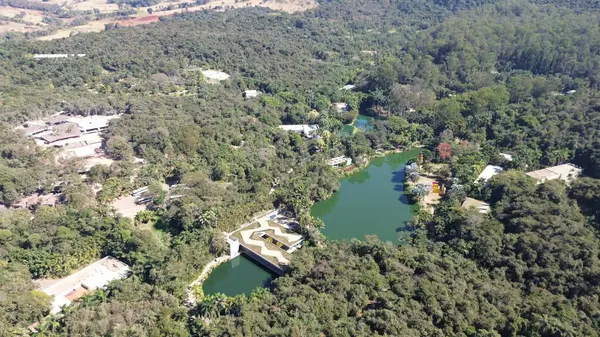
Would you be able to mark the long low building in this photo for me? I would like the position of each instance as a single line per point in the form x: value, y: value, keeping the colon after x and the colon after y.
x: 78, y: 136
x: 61, y: 132
x: 564, y: 172
x: 338, y: 161
x: 95, y: 276
x: 56, y: 56
x: 307, y: 130
x: 91, y: 124
x: 34, y: 129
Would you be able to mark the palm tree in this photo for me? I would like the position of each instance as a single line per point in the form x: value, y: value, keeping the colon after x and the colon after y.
x: 102, y: 295
x: 259, y: 294
x: 222, y: 303
x: 208, y: 307
x: 88, y: 301
x: 236, y: 304
x: 208, y: 218
x: 48, y: 327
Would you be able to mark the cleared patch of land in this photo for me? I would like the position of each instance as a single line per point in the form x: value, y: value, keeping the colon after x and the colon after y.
x: 31, y: 16
x: 142, y: 15
x: 100, y: 5
x: 8, y: 26
x: 92, y: 26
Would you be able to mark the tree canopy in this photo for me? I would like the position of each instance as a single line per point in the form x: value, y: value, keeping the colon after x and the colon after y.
x: 463, y: 80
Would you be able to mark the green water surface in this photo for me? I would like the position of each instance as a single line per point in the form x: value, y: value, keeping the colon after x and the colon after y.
x: 369, y: 202
x: 361, y: 123
x: 237, y: 276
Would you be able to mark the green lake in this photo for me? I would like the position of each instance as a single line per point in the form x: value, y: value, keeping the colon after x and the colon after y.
x: 237, y: 276
x: 369, y: 202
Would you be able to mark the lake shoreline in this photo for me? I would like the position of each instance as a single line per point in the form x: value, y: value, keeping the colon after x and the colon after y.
x: 358, y: 168
x: 208, y: 268
x: 370, y: 199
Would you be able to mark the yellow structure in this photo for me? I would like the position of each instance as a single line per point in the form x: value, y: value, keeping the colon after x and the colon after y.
x: 435, y: 187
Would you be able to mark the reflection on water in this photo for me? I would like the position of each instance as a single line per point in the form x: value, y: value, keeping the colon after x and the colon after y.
x: 358, y: 177
x: 238, y: 276
x: 371, y: 201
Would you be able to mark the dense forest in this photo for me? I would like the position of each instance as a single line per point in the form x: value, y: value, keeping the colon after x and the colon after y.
x: 462, y: 79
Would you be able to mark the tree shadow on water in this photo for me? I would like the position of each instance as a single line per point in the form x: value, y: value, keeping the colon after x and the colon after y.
x: 398, y: 181
x: 359, y: 177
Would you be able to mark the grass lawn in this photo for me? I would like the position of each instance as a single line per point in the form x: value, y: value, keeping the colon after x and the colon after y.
x: 163, y: 237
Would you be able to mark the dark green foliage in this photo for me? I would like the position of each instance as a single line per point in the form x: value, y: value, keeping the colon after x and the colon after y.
x: 135, y: 3
x: 371, y: 288
x: 58, y: 240
x: 127, y: 308
x: 20, y: 303
x: 495, y: 77
x: 587, y: 193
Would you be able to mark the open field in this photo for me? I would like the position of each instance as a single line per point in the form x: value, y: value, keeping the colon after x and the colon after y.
x: 100, y: 5
x: 31, y: 16
x: 142, y: 20
x: 92, y: 26
x: 142, y: 15
x: 7, y: 26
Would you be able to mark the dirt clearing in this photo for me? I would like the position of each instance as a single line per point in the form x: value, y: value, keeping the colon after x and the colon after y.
x: 142, y: 16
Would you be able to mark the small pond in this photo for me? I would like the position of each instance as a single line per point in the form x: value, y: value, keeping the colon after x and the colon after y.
x: 237, y: 276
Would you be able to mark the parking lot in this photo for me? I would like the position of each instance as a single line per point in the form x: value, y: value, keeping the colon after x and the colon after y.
x: 127, y: 206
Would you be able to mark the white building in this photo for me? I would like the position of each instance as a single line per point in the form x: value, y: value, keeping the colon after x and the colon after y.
x: 507, y: 156
x: 92, y: 124
x: 565, y: 172
x: 481, y: 206
x: 215, y: 75
x: 59, y: 130
x: 251, y: 93
x: 340, y: 161
x: 308, y: 130
x: 33, y: 129
x: 348, y: 87
x: 94, y: 276
x: 56, y: 56
x: 488, y: 172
